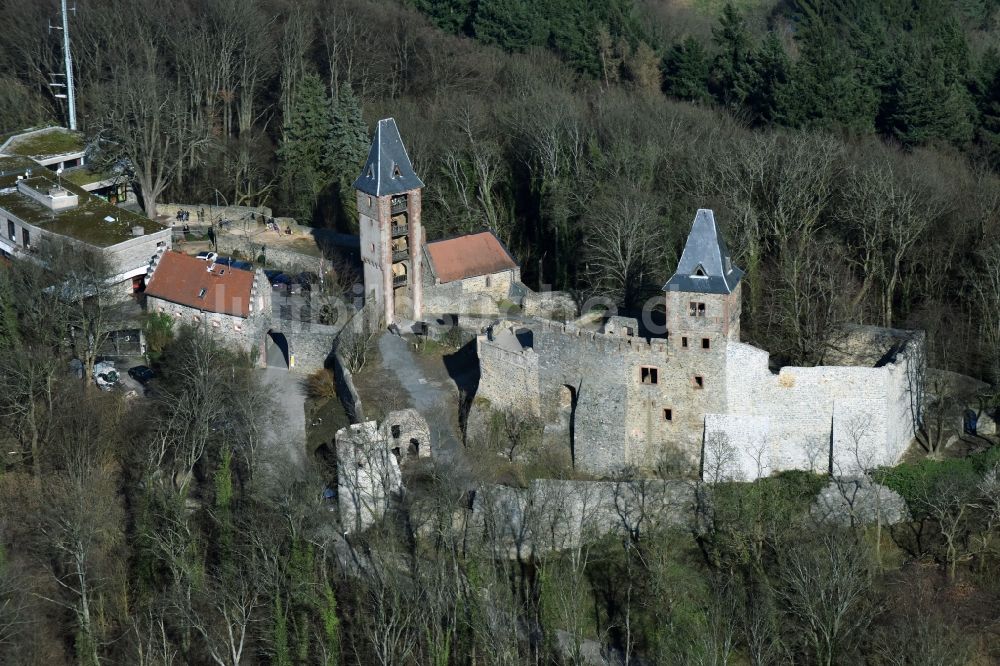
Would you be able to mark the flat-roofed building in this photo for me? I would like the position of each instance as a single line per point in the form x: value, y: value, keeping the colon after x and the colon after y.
x: 36, y: 206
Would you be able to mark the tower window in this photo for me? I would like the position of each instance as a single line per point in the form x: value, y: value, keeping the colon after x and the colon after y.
x: 684, y: 342
x: 668, y: 414
x: 706, y: 343
x: 696, y: 309
x: 699, y: 382
x: 26, y: 237
x: 649, y: 374
x: 11, y: 233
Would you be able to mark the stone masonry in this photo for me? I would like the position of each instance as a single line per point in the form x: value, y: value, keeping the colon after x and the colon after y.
x: 616, y: 399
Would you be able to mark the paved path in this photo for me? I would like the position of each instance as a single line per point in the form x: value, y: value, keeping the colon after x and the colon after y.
x: 432, y: 392
x: 289, y: 431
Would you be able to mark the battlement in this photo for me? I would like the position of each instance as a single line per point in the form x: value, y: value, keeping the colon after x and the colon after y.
x: 598, y: 341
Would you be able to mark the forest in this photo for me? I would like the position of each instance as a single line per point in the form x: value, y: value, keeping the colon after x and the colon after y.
x: 851, y: 152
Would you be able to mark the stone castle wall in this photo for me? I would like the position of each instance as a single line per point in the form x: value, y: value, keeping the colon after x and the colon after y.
x: 827, y: 419
x: 739, y: 421
x: 596, y: 381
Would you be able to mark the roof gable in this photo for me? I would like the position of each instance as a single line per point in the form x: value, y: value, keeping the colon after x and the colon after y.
x: 705, y: 265
x: 468, y: 256
x: 388, y: 169
x: 186, y: 280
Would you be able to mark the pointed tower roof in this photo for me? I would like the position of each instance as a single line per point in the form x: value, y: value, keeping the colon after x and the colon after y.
x: 388, y: 170
x: 705, y: 266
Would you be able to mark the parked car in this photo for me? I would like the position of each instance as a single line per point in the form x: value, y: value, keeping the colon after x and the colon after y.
x: 234, y: 263
x: 141, y: 373
x: 307, y: 280
x: 105, y: 375
x: 207, y: 256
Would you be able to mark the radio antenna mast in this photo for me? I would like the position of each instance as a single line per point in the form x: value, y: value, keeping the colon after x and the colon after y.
x: 70, y: 90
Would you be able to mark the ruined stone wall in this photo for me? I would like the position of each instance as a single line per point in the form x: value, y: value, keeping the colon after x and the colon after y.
x: 617, y: 400
x: 312, y: 346
x: 826, y: 418
x: 630, y: 400
x: 508, y: 379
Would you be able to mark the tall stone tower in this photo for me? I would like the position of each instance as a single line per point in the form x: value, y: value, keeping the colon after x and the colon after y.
x: 703, y: 296
x: 389, y: 218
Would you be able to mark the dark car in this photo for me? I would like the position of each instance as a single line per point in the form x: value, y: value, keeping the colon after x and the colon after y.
x: 307, y: 280
x: 277, y: 278
x: 234, y: 263
x: 141, y: 373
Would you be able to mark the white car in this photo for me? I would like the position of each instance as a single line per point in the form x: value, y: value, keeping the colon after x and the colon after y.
x: 105, y: 375
x: 207, y: 256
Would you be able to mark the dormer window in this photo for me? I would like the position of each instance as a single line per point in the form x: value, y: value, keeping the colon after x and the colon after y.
x: 371, y: 171
x: 699, y: 272
x: 395, y: 171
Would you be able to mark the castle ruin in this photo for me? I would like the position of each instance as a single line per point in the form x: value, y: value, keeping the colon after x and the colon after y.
x: 616, y: 399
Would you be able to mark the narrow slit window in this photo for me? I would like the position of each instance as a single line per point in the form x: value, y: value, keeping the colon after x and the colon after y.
x: 201, y: 294
x: 699, y: 382
x: 668, y: 414
x: 649, y: 374
x: 684, y: 342
x: 706, y: 343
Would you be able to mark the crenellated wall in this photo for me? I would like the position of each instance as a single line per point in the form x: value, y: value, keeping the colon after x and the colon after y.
x: 597, y: 394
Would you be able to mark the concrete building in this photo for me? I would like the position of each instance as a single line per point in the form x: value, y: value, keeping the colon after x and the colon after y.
x: 59, y: 148
x: 231, y: 303
x: 37, y: 206
x: 616, y: 399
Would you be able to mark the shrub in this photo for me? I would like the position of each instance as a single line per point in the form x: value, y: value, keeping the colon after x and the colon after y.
x: 320, y: 385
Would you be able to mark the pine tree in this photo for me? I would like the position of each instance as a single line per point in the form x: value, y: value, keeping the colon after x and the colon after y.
x: 348, y: 148
x: 453, y: 16
x: 988, y: 102
x: 768, y: 93
x: 304, y: 151
x: 827, y: 90
x: 731, y: 68
x: 926, y: 101
x: 513, y: 25
x: 685, y: 71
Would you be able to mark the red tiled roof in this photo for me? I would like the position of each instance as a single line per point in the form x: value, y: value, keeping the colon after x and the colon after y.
x: 181, y: 279
x: 469, y: 256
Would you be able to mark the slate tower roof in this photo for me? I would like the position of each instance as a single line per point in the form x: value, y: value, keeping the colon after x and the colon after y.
x: 388, y: 169
x: 705, y: 265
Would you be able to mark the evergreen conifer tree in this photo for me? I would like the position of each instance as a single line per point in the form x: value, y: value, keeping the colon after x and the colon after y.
x: 304, y: 151
x: 513, y: 25
x: 769, y: 89
x: 926, y: 100
x: 988, y: 102
x: 685, y: 71
x: 731, y: 71
x: 348, y: 147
